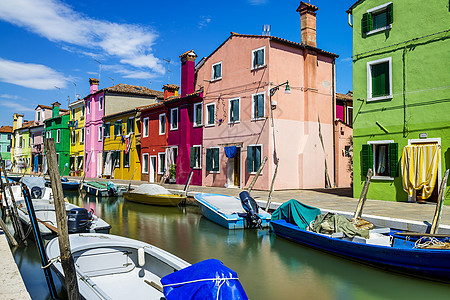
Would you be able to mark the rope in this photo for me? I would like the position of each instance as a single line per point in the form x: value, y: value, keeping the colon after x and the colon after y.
x: 422, y: 243
x: 51, y: 262
x: 220, y: 281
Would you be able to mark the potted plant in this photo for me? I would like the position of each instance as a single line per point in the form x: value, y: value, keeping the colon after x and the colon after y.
x: 172, y: 173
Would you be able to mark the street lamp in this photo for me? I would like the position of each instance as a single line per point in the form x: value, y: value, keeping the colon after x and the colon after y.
x: 273, y: 90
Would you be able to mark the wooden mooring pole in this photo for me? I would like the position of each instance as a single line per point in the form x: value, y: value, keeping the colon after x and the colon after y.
x: 439, y: 204
x: 362, y: 198
x: 10, y: 237
x: 269, y: 199
x: 67, y: 261
x: 250, y: 187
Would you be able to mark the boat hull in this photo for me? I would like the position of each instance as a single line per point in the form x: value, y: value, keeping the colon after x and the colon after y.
x: 160, y: 200
x: 401, y: 257
x: 99, y: 192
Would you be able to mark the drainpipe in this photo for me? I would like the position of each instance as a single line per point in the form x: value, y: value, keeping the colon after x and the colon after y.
x: 350, y: 20
x: 334, y: 119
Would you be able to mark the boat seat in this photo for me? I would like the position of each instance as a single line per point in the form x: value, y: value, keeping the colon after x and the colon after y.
x: 111, y: 261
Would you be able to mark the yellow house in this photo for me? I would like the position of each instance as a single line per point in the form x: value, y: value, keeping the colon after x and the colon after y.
x: 76, y: 125
x: 122, y: 145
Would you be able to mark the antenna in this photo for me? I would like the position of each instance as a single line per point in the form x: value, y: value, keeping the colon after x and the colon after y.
x: 168, y: 71
x: 112, y: 80
x: 99, y: 69
x: 59, y: 93
x: 266, y: 30
x: 75, y: 90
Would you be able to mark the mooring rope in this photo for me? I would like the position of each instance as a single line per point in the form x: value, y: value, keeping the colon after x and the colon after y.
x: 51, y: 262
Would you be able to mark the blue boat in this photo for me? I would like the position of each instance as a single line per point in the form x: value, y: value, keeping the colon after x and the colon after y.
x: 228, y: 211
x: 399, y: 254
x: 69, y: 185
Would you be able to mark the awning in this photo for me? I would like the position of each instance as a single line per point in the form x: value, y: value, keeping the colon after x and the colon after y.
x: 420, y: 167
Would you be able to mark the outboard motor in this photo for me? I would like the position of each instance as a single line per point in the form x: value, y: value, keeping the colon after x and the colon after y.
x: 251, y: 207
x: 78, y: 220
x: 112, y: 189
x: 36, y: 192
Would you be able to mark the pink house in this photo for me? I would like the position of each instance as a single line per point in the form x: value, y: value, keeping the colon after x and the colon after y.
x: 248, y: 116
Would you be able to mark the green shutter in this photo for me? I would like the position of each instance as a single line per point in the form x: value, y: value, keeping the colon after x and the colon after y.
x: 380, y: 79
x: 192, y: 157
x: 393, y: 159
x: 235, y: 110
x: 390, y: 14
x: 250, y: 159
x: 366, y: 159
x: 257, y: 157
x: 209, y: 160
x: 259, y: 106
x: 366, y: 23
x: 199, y: 114
x: 215, y: 159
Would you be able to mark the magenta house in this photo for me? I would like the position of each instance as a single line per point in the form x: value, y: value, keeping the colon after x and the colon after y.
x: 185, y: 126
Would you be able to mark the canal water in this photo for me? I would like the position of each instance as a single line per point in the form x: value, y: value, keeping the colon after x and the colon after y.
x: 268, y: 267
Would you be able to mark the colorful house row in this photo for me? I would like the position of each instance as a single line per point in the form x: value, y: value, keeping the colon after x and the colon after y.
x: 401, y: 75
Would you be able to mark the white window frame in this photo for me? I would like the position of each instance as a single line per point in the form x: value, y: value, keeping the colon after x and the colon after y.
x: 229, y: 110
x: 121, y: 125
x: 82, y: 135
x: 82, y: 111
x: 253, y: 118
x: 73, y: 114
x: 100, y: 133
x: 218, y: 171
x: 261, y: 145
x: 143, y: 163
x: 196, y: 124
x: 100, y: 103
x: 146, y: 127
x: 73, y: 137
x: 253, y: 58
x: 207, y: 115
x: 88, y: 107
x: 369, y: 78
x: 348, y: 109
x: 162, y: 129
x: 212, y: 71
x: 375, y: 10
x: 48, y: 134
x: 172, y: 110
x: 163, y: 162
x: 385, y: 142
x: 58, y: 136
x: 134, y: 125
x: 200, y: 156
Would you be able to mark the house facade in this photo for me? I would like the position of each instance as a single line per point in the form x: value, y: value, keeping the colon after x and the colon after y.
x: 6, y: 133
x: 37, y: 133
x: 401, y: 73
x: 248, y: 116
x: 108, y: 101
x: 21, y: 145
x: 77, y: 137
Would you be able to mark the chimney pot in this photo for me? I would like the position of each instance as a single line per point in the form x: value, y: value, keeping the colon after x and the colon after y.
x: 93, y: 82
x: 187, y: 73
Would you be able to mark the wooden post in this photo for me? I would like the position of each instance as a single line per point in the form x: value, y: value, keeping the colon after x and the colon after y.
x: 269, y: 199
x: 85, y: 171
x: 250, y: 187
x: 362, y: 198
x: 11, y: 239
x: 439, y: 204
x: 188, y: 182
x: 129, y: 185
x: 67, y: 261
x: 15, y: 214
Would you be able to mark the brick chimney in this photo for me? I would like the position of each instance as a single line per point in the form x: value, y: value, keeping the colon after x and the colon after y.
x: 187, y: 73
x: 94, y: 85
x: 170, y: 90
x: 308, y: 23
x: 55, y: 109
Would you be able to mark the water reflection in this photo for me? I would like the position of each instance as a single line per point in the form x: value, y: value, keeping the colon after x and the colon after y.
x: 268, y: 267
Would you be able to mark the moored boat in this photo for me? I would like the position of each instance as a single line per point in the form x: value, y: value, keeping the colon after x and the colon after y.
x: 102, y: 189
x: 230, y: 212
x: 153, y: 194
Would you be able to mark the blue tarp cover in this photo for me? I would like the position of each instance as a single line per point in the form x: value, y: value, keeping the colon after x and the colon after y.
x: 295, y: 212
x: 230, y: 151
x: 208, y: 279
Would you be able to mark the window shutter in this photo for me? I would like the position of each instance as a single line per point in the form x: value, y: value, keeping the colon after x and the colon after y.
x: 192, y: 157
x: 209, y: 162
x: 380, y: 79
x: 219, y: 71
x: 257, y: 157
x: 255, y: 58
x: 390, y: 14
x: 393, y: 159
x: 215, y: 159
x: 250, y: 159
x: 235, y: 110
x: 260, y: 105
x: 260, y: 55
x: 366, y: 159
x: 198, y: 114
x: 366, y: 23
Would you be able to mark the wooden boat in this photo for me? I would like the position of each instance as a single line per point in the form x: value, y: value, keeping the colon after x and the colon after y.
x: 227, y: 211
x: 114, y: 267
x: 386, y: 248
x: 153, y: 194
x: 66, y: 184
x: 103, y: 189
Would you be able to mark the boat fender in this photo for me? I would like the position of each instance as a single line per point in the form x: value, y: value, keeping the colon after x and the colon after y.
x: 141, y: 257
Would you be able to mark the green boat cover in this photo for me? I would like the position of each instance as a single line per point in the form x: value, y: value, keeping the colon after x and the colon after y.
x: 97, y: 184
x: 295, y: 212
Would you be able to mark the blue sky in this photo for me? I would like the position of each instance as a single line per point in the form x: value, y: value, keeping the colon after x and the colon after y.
x: 50, y: 48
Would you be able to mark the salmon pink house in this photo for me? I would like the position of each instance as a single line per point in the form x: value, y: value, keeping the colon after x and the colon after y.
x: 247, y: 115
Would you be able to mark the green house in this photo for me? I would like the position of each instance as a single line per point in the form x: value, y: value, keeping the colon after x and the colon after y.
x: 57, y: 127
x: 5, y: 144
x: 401, y: 87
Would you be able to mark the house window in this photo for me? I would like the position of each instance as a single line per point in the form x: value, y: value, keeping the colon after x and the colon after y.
x: 258, y: 59
x: 58, y: 135
x: 145, y: 127
x: 73, y: 114
x: 379, y: 79
x: 381, y: 157
x: 145, y: 163
x: 73, y: 137
x: 88, y: 107
x: 100, y: 103
x: 212, y: 159
x: 234, y: 106
x: 57, y: 158
x: 82, y: 111
x: 350, y: 116
x: 107, y: 130
x: 161, y: 163
x: 258, y: 106
x: 377, y: 19
x: 82, y: 135
x: 130, y: 125
x: 174, y: 119
x: 100, y: 133
x: 9, y: 136
x: 8, y: 148
x: 116, y: 158
x: 48, y: 135
x: 210, y: 114
x: 126, y: 159
x: 196, y: 157
x: 162, y: 124
x: 198, y: 114
x: 118, y: 128
x: 216, y: 72
x: 38, y: 116
x: 254, y: 153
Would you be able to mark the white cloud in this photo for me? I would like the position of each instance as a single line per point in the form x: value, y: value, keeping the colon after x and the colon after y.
x: 58, y: 22
x: 6, y: 96
x: 204, y: 20
x: 127, y: 73
x: 30, y: 75
x: 257, y: 2
x: 14, y: 106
